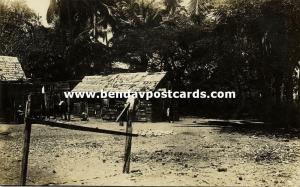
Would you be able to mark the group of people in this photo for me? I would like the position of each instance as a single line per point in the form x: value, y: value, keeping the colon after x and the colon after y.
x: 40, y: 108
x: 43, y: 106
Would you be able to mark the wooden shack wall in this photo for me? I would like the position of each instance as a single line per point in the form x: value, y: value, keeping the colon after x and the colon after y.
x: 145, y: 112
x: 12, y: 94
x: 98, y: 110
x: 153, y: 110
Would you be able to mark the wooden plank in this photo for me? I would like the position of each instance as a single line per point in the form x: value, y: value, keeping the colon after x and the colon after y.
x: 27, y: 132
x: 123, y: 112
x: 77, y: 127
x: 127, y: 155
x: 68, y: 109
x: 25, y: 156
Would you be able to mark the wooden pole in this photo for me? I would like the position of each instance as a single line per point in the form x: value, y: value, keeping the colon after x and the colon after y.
x: 46, y: 105
x: 27, y: 132
x: 70, y: 126
x: 68, y: 109
x: 128, y: 142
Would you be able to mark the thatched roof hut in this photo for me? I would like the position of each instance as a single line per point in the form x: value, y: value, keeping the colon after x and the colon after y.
x: 11, y: 69
x: 12, y: 87
x: 149, y: 110
x: 121, y: 82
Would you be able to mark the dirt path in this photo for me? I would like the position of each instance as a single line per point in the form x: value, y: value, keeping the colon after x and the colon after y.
x: 189, y: 152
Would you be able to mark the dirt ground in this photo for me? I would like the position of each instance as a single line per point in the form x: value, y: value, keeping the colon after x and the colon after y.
x: 193, y: 151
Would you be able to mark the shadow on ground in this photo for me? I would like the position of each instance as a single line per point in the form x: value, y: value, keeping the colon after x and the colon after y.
x: 247, y: 127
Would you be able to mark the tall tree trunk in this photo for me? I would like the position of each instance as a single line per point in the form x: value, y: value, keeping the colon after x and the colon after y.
x: 278, y: 91
x: 298, y: 77
x: 267, y: 101
x: 289, y: 98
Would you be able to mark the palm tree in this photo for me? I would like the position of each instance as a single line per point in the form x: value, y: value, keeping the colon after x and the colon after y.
x: 197, y: 7
x: 79, y: 17
x: 146, y: 12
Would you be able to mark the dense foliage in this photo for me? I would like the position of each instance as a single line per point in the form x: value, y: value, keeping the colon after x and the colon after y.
x: 249, y: 46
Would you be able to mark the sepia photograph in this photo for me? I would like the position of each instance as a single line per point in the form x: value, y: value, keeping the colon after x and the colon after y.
x: 150, y: 93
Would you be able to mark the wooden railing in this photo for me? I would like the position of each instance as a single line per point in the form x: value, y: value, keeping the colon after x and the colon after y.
x: 29, y: 120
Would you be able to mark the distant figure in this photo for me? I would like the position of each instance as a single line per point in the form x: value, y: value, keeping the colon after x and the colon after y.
x: 105, y: 102
x: 170, y: 114
x: 98, y: 110
x: 20, y: 114
x: 56, y: 100
x: 84, y: 116
x: 45, y: 106
x: 62, y: 105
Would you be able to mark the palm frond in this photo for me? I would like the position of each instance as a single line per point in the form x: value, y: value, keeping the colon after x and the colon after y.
x: 52, y: 11
x: 196, y: 7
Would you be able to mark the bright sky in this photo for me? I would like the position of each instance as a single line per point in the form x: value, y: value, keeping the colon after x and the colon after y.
x: 40, y: 7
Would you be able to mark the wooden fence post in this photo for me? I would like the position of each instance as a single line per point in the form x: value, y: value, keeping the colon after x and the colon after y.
x: 68, y: 109
x: 27, y: 132
x: 128, y: 142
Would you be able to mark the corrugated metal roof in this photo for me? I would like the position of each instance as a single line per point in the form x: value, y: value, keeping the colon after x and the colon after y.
x: 11, y: 69
x: 121, y: 82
